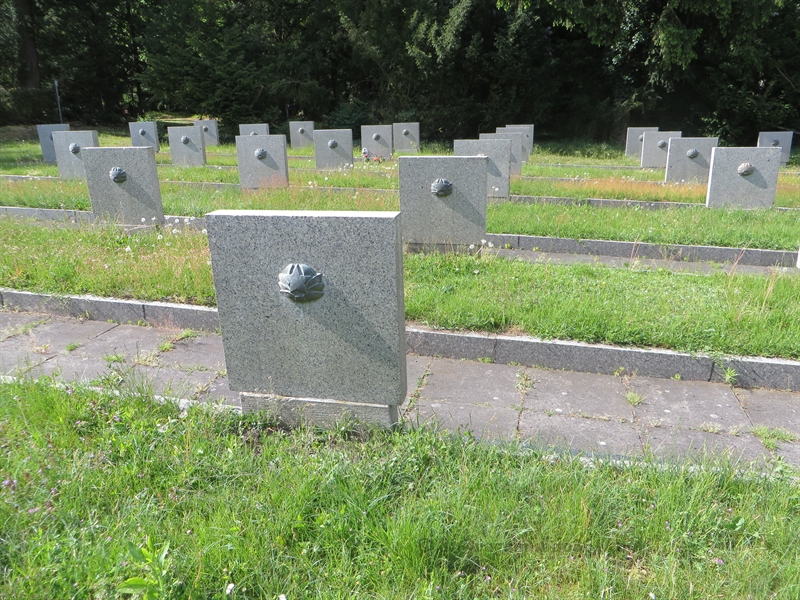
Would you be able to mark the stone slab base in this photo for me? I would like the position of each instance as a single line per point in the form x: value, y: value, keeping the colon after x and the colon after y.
x: 323, y: 413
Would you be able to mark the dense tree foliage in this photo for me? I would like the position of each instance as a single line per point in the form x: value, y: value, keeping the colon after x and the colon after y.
x: 573, y: 67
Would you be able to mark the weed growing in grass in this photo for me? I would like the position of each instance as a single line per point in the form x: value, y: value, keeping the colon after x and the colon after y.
x: 770, y: 436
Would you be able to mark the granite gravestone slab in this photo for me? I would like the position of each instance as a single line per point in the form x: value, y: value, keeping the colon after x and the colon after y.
x: 527, y: 137
x: 210, y: 129
x: 46, y: 141
x: 377, y: 139
x: 186, y: 146
x: 254, y: 129
x: 262, y: 160
x: 301, y: 133
x: 297, y: 335
x: 68, y: 146
x: 443, y: 200
x: 777, y: 139
x: 516, y: 149
x: 144, y: 133
x: 123, y: 185
x: 333, y: 148
x: 743, y: 177
x: 498, y: 168
x: 634, y: 139
x: 689, y: 159
x: 654, y: 148
x: 405, y: 137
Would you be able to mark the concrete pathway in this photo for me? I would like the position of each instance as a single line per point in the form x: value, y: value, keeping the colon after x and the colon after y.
x: 619, y: 415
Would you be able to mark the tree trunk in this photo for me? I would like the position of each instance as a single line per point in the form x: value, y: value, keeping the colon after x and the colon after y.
x: 29, y: 76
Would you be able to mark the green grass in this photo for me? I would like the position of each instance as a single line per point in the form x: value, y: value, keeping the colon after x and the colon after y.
x: 736, y: 314
x: 354, y: 512
x: 695, y: 226
x: 770, y: 436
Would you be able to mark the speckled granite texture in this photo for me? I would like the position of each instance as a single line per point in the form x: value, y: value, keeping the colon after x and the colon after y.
x: 405, y: 142
x: 333, y: 158
x: 144, y: 133
x: 191, y: 154
x: 767, y: 139
x: 210, y: 129
x: 268, y: 172
x: 254, y: 129
x: 70, y: 164
x: 297, y: 139
x: 633, y: 145
x: 137, y: 200
x: 459, y: 218
x: 683, y: 168
x: 380, y: 147
x: 349, y: 344
x: 727, y: 188
x: 46, y: 140
x: 517, y: 154
x: 498, y: 173
x: 654, y: 156
x: 527, y: 137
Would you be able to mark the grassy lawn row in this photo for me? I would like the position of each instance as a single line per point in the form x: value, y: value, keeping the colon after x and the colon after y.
x: 736, y: 314
x: 718, y: 227
x: 234, y: 507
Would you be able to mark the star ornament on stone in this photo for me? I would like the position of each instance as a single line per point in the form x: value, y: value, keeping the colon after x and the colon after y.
x: 301, y: 283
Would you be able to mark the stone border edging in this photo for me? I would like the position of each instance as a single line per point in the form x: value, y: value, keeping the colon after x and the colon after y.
x: 504, y: 349
x: 639, y: 250
x: 618, y: 249
x: 611, y: 203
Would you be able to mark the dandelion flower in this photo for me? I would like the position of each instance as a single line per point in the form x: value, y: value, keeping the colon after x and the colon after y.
x: 160, y: 237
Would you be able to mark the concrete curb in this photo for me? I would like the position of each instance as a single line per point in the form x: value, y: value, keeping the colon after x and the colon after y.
x: 751, y: 372
x: 638, y: 250
x: 609, y: 203
x: 678, y: 252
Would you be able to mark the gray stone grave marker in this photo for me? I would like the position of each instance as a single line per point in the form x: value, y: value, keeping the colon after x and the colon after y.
x: 187, y: 146
x: 262, y: 160
x: 254, y: 129
x: 68, y: 146
x: 210, y: 129
x: 311, y: 310
x: 527, y: 136
x: 46, y: 141
x: 516, y: 149
x: 689, y: 159
x: 498, y: 168
x: 743, y: 177
x: 777, y: 139
x: 634, y: 139
x: 123, y: 185
x: 144, y: 133
x: 301, y: 133
x: 443, y: 200
x: 654, y: 148
x: 405, y: 137
x: 333, y: 148
x: 377, y: 139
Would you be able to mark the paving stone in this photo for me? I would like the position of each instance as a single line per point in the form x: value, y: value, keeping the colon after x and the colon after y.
x: 473, y: 382
x: 200, y: 353
x: 486, y: 422
x: 790, y: 452
x: 570, y: 393
x: 594, y: 436
x: 416, y: 366
x: 173, y: 383
x: 58, y: 332
x: 771, y: 408
x: 220, y: 392
x: 677, y: 443
x: 688, y: 404
x: 10, y: 321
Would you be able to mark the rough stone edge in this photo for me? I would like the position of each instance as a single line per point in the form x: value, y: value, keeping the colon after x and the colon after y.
x: 679, y: 252
x: 552, y: 354
x: 325, y: 413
